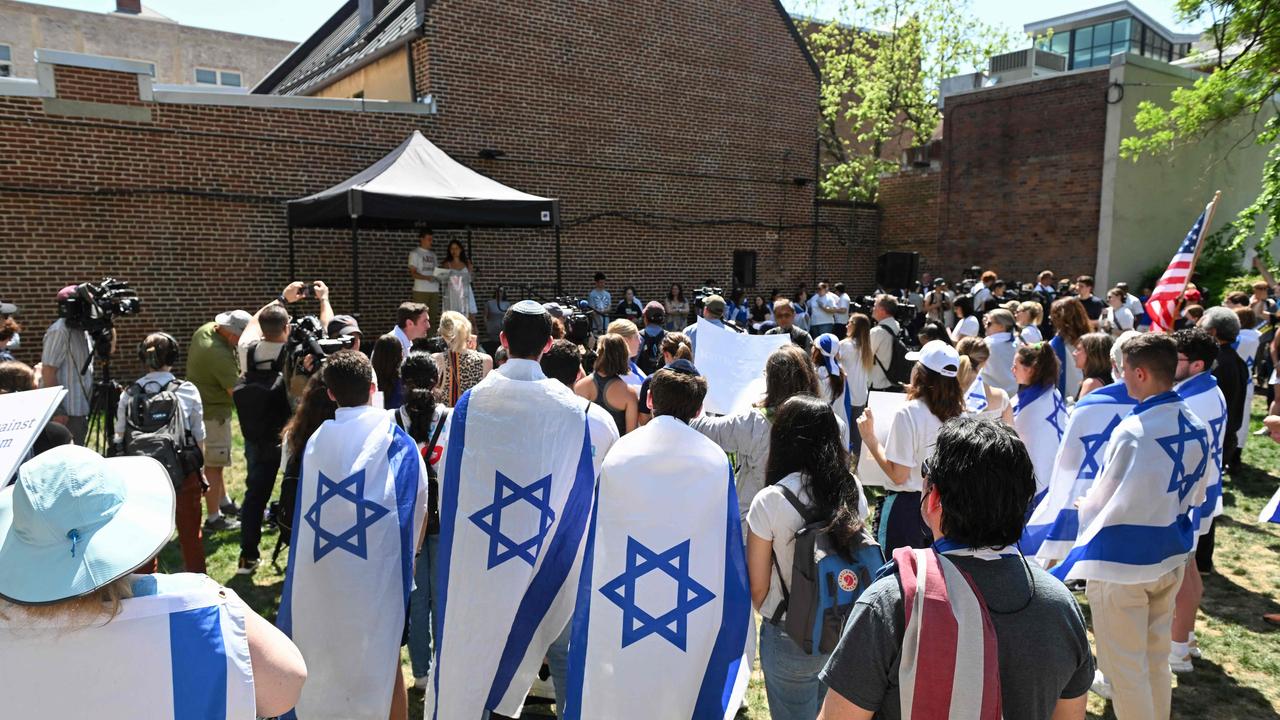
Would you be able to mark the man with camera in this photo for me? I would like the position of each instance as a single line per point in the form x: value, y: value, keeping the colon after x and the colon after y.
x: 262, y: 403
x: 937, y: 304
x: 66, y: 359
x: 883, y: 335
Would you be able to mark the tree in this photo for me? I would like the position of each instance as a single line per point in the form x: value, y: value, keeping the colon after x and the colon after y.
x: 882, y: 63
x: 1244, y: 83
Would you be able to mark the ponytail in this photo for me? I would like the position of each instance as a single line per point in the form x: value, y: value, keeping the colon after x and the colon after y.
x: 1043, y: 362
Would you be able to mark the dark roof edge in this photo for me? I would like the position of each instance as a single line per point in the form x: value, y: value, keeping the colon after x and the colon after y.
x: 795, y: 35
x: 300, y: 53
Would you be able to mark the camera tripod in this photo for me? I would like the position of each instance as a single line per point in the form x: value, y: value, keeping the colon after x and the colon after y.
x: 102, y: 404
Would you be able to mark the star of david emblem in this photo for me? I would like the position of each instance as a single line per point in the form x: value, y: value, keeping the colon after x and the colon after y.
x: 1092, y: 444
x: 1058, y: 407
x: 672, y: 624
x: 1175, y: 447
x: 506, y: 493
x: 352, y: 539
x: 1215, y: 429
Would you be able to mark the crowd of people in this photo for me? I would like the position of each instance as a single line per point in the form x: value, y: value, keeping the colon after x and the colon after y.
x: 1044, y: 444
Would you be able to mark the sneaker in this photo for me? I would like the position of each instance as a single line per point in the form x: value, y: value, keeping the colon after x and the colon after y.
x: 246, y: 566
x: 1261, y: 431
x: 231, y: 509
x: 1100, y: 686
x: 1193, y: 648
x: 1180, y: 663
x: 420, y: 683
x: 221, y: 523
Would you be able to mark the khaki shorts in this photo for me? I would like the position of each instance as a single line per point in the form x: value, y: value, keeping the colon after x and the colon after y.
x: 217, y: 443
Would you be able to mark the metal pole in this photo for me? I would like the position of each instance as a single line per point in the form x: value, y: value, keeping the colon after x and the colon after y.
x: 559, y: 267
x: 470, y: 254
x: 355, y: 264
x: 293, y: 266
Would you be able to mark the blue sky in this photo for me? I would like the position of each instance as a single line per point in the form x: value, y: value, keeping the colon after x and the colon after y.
x: 296, y: 19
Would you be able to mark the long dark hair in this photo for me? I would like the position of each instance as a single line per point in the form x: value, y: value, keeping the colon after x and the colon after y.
x: 806, y: 439
x: 462, y: 252
x: 420, y: 376
x: 387, y: 354
x: 679, y: 292
x: 1043, y: 362
x: 941, y: 394
x: 787, y: 372
x: 313, y: 409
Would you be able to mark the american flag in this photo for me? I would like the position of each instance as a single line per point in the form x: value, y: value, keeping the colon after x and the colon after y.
x: 1162, y: 306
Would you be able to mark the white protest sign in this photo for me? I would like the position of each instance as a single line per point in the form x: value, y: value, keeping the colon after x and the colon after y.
x: 883, y: 406
x: 22, y: 416
x: 733, y: 364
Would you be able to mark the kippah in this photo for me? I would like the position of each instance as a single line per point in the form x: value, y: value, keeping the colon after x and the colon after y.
x: 529, y: 307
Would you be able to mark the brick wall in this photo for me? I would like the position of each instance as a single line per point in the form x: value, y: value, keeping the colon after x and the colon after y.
x: 673, y: 133
x: 909, y: 220
x: 1022, y: 176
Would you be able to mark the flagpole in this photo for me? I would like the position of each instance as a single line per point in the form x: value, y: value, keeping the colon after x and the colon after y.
x: 1208, y: 221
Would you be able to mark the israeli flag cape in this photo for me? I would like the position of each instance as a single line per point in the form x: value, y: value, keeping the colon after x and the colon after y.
x: 975, y: 398
x: 661, y: 626
x: 1202, y: 396
x: 1040, y: 417
x: 515, y: 497
x: 361, y: 502
x: 1246, y: 346
x: 1053, y: 526
x: 1271, y: 513
x: 829, y: 346
x: 1135, y: 522
x: 176, y: 656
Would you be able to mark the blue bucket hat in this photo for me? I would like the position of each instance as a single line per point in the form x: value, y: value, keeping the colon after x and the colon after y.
x: 75, y: 522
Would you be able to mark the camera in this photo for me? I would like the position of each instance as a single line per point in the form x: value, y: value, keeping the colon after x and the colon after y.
x: 94, y: 306
x: 576, y: 314
x: 701, y: 294
x: 309, y: 290
x: 306, y: 337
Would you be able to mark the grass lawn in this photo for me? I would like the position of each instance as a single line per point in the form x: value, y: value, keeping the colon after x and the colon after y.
x: 1236, y: 679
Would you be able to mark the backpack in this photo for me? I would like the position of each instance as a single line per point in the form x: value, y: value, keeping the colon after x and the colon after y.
x: 899, y: 370
x: 261, y: 399
x: 823, y: 585
x: 650, y: 358
x: 156, y: 427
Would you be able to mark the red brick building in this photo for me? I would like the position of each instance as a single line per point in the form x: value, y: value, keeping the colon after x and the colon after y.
x: 673, y: 133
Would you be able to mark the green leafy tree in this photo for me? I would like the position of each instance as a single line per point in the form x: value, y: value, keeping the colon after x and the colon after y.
x: 1244, y: 83
x: 882, y: 62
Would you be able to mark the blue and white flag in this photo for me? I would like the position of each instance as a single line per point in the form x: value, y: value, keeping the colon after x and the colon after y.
x: 1271, y: 513
x: 1053, y: 526
x: 975, y: 398
x: 1205, y: 399
x: 663, y: 617
x: 1135, y: 522
x: 1040, y: 417
x: 515, y: 497
x: 635, y: 377
x: 173, y: 656
x: 841, y: 402
x: 1246, y: 346
x: 361, y: 502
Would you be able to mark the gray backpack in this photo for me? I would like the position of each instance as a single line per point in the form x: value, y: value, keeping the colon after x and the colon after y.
x: 156, y: 427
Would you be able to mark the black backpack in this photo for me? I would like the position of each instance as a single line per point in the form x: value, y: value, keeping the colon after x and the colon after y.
x: 156, y: 427
x: 899, y: 370
x: 650, y: 359
x: 261, y: 399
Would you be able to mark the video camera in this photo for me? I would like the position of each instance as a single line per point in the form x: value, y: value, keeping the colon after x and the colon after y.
x: 576, y: 314
x: 306, y: 338
x: 93, y: 308
x: 701, y: 294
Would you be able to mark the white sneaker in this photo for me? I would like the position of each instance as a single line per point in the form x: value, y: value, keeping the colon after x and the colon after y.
x: 1100, y: 686
x: 1180, y: 663
x: 420, y: 683
x: 1193, y: 647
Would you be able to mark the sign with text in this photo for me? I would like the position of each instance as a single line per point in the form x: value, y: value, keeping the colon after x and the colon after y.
x: 733, y: 364
x: 883, y: 406
x: 22, y: 416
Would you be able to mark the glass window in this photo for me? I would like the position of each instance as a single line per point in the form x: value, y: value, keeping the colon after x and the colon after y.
x: 1081, y: 59
x: 1084, y: 37
x: 1135, y: 30
x: 206, y: 77
x: 1061, y: 43
x: 1102, y: 55
x: 231, y: 79
x: 1102, y: 34
x: 4, y: 53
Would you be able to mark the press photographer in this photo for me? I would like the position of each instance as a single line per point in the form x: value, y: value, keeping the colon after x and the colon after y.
x: 83, y: 332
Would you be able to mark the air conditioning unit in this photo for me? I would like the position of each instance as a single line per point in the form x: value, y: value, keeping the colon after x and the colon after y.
x: 1024, y: 64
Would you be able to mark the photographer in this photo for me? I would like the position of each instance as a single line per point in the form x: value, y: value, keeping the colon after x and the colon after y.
x: 882, y: 339
x: 66, y: 360
x: 262, y: 404
x: 937, y: 304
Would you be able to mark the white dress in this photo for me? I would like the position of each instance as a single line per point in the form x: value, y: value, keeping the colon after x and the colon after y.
x: 455, y: 290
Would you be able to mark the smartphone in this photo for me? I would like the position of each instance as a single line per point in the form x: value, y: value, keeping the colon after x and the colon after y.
x: 309, y: 291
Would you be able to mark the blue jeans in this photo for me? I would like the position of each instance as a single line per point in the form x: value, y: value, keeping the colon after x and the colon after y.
x: 790, y: 676
x: 558, y: 664
x: 263, y: 460
x: 422, y: 608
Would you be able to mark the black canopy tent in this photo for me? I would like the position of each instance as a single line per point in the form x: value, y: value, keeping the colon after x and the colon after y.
x: 418, y: 185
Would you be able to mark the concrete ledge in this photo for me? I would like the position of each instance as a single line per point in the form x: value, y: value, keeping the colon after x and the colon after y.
x: 92, y: 62
x: 1121, y: 59
x: 199, y: 97
x: 22, y: 87
x: 96, y: 110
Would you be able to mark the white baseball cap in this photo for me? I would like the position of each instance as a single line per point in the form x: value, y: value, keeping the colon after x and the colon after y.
x: 938, y: 357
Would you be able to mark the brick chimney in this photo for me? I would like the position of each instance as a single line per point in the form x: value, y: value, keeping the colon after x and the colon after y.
x: 130, y: 7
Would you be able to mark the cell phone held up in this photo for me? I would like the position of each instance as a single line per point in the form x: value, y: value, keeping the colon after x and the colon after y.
x: 309, y: 290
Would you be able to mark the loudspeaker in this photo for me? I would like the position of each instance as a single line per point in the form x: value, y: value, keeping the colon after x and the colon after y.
x: 744, y: 268
x: 897, y: 270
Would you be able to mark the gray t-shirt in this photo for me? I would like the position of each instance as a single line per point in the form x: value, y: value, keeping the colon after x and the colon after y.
x: 1044, y: 651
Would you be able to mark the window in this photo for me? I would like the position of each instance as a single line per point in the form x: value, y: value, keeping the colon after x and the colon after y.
x: 225, y: 78
x: 1094, y: 45
x: 6, y: 63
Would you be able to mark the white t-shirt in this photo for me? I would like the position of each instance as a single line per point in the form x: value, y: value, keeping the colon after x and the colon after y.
x: 772, y: 517
x: 842, y: 309
x: 265, y: 352
x: 424, y: 261
x: 967, y: 327
x: 819, y: 316
x: 1030, y: 335
x: 911, y: 438
x: 1116, y: 320
x: 849, y: 356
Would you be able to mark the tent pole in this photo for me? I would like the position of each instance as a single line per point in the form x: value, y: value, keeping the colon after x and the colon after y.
x: 293, y: 266
x: 470, y: 254
x: 559, y: 268
x: 355, y: 265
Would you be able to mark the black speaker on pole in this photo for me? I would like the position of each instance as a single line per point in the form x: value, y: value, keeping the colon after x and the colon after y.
x: 744, y: 268
x: 897, y: 270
